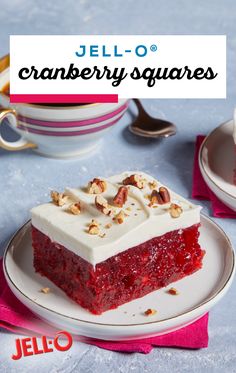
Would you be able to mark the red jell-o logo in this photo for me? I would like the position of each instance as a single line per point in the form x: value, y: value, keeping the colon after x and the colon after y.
x: 31, y: 346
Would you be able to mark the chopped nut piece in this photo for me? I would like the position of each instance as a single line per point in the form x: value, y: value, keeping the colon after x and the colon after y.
x: 93, y: 227
x: 150, y: 312
x: 102, y: 235
x: 135, y: 180
x: 152, y: 184
x: 155, y: 198
x: 165, y: 195
x: 128, y: 208
x: 120, y: 217
x: 45, y: 290
x: 58, y: 198
x: 108, y: 226
x: 97, y: 186
x: 173, y: 291
x: 102, y: 205
x: 75, y: 208
x: 175, y: 210
x: 121, y: 197
x: 159, y: 197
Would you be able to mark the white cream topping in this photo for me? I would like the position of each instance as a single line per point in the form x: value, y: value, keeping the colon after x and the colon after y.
x: 142, y: 224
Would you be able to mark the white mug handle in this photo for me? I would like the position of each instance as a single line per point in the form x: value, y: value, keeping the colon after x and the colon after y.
x: 20, y: 144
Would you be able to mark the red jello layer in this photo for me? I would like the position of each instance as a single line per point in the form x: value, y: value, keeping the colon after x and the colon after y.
x: 123, y: 277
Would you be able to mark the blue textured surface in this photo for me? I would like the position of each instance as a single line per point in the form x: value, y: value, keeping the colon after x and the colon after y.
x: 26, y: 178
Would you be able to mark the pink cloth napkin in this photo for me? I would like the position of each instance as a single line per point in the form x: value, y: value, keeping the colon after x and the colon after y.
x: 201, y: 191
x: 14, y: 316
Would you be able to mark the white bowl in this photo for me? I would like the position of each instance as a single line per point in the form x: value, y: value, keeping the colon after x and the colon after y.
x: 217, y: 162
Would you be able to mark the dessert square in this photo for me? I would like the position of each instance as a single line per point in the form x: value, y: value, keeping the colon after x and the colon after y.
x: 115, y: 240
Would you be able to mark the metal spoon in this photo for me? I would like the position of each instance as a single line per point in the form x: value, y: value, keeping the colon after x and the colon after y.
x: 147, y: 126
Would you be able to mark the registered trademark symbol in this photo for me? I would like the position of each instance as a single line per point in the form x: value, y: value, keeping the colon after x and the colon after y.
x: 153, y: 47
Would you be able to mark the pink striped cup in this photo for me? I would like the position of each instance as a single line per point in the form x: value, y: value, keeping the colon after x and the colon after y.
x: 57, y: 131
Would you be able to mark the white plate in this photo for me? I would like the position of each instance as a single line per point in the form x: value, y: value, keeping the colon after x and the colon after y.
x: 198, y: 293
x: 217, y: 161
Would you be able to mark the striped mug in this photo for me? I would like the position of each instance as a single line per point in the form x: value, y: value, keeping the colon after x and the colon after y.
x: 57, y: 130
